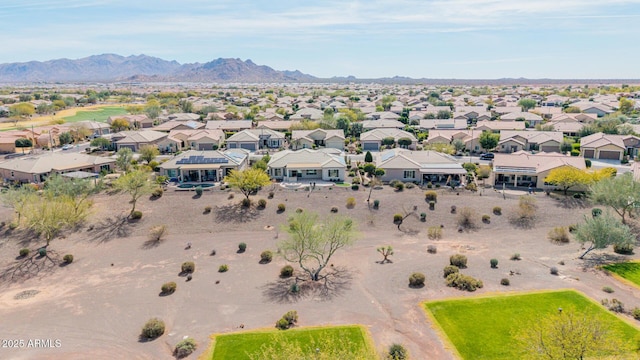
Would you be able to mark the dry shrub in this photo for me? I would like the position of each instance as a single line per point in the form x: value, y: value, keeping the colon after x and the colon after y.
x: 158, y: 232
x: 559, y: 234
x: 525, y: 214
x: 467, y: 218
x: 434, y: 232
x: 351, y: 203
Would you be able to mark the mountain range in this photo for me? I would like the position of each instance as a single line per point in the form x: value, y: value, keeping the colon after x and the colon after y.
x: 143, y: 68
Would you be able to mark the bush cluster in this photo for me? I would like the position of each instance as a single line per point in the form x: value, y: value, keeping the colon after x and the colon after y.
x: 636, y: 313
x: 399, y: 186
x: 398, y: 352
x: 493, y: 263
x: 486, y: 219
x: 614, y: 305
x: 157, y: 192
x: 430, y: 195
x: 287, y: 320
x: 607, y: 289
x: 397, y: 218
x: 559, y: 234
x: 262, y: 203
x: 504, y: 282
x: 286, y: 271
x: 270, y: 196
x: 168, y: 287
x: 463, y: 282
x: 281, y: 208
x: 185, y: 347
x: 223, y: 268
x: 497, y: 210
x: 467, y: 218
x: 334, y: 209
x: 136, y: 215
x: 351, y: 203
x: 24, y: 252
x: 515, y: 257
x: 266, y: 257
x: 450, y: 269
x: 188, y: 267
x: 416, y: 279
x: 623, y: 249
x: 242, y: 247
x: 68, y: 259
x: 153, y: 328
x: 432, y: 205
x: 245, y: 203
x: 458, y: 260
x: 432, y: 249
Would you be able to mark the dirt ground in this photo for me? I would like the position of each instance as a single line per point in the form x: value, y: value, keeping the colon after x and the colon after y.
x: 97, y: 305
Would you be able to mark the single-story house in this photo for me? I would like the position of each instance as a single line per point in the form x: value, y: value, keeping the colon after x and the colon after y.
x: 307, y: 113
x: 419, y: 166
x: 179, y: 117
x: 280, y: 125
x: 606, y: 146
x: 381, y: 124
x: 382, y: 115
x: 531, y: 118
x: 497, y: 126
x: 136, y: 139
x: 136, y: 121
x: 428, y: 124
x: 581, y: 117
x: 192, y: 139
x: 98, y: 128
x: 307, y: 165
x: 228, y: 125
x: 523, y: 168
x: 204, y: 165
x: 514, y: 141
x: 471, y: 138
x: 589, y: 107
x: 255, y: 139
x: 37, y: 168
x: 372, y: 140
x: 179, y: 125
x: 567, y: 126
x: 307, y: 139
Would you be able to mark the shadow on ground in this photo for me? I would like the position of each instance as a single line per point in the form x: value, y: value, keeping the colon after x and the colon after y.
x: 29, y: 267
x: 236, y: 213
x: 334, y: 283
x: 110, y: 228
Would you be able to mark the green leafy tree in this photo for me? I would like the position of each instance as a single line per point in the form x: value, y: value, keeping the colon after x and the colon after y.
x: 247, y: 181
x: 602, y: 231
x: 23, y: 143
x: 626, y: 106
x: 78, y: 191
x: 527, y: 104
x: 120, y: 124
x: 148, y: 153
x: 443, y: 114
x: 123, y: 159
x: 569, y: 335
x: 621, y: 193
x: 388, y: 141
x: 65, y: 138
x: 312, y: 242
x: 488, y: 140
x: 21, y: 111
x: 458, y: 145
x: 404, y: 142
x: 18, y: 198
x: 101, y: 142
x: 135, y: 183
x: 566, y: 177
x: 47, y: 216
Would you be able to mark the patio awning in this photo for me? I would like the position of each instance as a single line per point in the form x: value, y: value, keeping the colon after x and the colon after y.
x: 199, y: 166
x: 446, y: 171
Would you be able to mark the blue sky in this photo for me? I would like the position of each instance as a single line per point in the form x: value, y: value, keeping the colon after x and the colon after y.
x: 464, y: 39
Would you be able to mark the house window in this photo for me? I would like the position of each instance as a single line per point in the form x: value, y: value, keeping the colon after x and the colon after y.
x: 409, y: 174
x: 334, y: 173
x: 312, y: 172
x: 172, y: 173
x: 12, y: 174
x: 277, y: 172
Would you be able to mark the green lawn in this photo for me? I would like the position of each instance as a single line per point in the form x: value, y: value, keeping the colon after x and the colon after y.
x: 626, y: 270
x: 99, y: 115
x: 484, y: 328
x: 239, y: 346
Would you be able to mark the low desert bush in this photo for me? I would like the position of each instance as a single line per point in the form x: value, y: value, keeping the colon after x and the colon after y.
x: 266, y: 257
x: 207, y: 209
x: 432, y: 205
x: 291, y: 317
x: 223, y: 268
x: 463, y: 282
x: 430, y: 195
x: 416, y: 279
x: 397, y: 352
x: 515, y: 256
x: 168, y: 287
x: 199, y: 190
x: 282, y: 324
x: 467, y: 218
x: 607, y: 289
x: 559, y: 234
x: 450, y: 269
x: 458, y: 260
x: 636, y: 313
x: 423, y: 217
x: 493, y: 263
x: 432, y: 249
x: 553, y: 270
x: 410, y: 185
x: 434, y: 232
x: 595, y: 212
x: 355, y: 187
x: 158, y: 232
x: 286, y: 271
x: 525, y: 214
x: 245, y: 203
x: 185, y: 347
x: 153, y: 328
x: 270, y: 196
x: 453, y: 209
x: 334, y: 209
x: 231, y: 196
x: 614, y: 305
x: 262, y: 203
x: 486, y: 218
x: 504, y: 281
x: 188, y: 267
x: 351, y: 203
x: 136, y: 215
x: 376, y: 204
x: 242, y: 247
x: 281, y: 207
x: 68, y: 259
x: 624, y: 249
x: 399, y: 186
x: 24, y: 252
x: 157, y: 192
x: 397, y: 218
x: 497, y: 210
x: 299, y: 210
x: 471, y: 186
